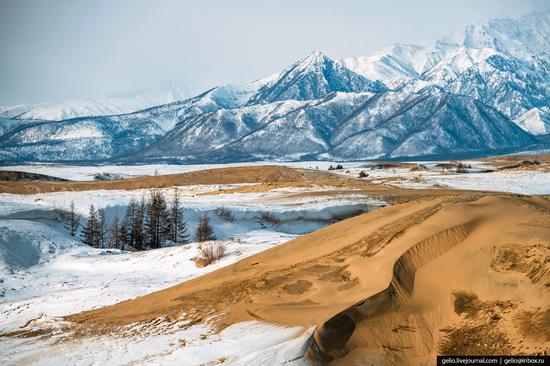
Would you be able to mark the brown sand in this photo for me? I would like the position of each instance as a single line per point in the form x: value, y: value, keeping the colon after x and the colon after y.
x: 385, y: 286
x: 233, y: 175
x: 265, y: 178
x: 521, y: 162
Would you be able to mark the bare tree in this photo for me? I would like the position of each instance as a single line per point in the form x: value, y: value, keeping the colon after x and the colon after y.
x: 90, y: 233
x: 114, y: 238
x: 204, y: 230
x: 268, y: 218
x: 101, y: 228
x: 72, y: 220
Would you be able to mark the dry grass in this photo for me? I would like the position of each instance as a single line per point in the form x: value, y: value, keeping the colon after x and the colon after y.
x: 474, y: 340
x: 481, y: 331
x: 209, y: 253
x: 535, y: 324
x: 466, y: 303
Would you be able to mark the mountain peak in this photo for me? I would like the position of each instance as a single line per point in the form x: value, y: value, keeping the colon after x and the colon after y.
x: 312, y: 77
x: 315, y: 58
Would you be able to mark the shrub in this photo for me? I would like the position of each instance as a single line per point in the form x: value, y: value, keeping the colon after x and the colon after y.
x: 204, y: 230
x: 268, y: 218
x: 209, y: 253
x: 225, y: 214
x: 466, y: 302
x: 462, y: 168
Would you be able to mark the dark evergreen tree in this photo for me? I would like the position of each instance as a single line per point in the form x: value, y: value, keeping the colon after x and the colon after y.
x: 178, y: 227
x: 157, y: 223
x: 90, y: 233
x: 114, y: 238
x: 72, y: 220
x: 127, y: 227
x: 204, y: 230
x: 101, y: 229
x: 138, y: 224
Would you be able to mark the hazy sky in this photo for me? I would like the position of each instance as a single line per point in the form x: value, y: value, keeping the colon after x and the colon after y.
x: 65, y: 49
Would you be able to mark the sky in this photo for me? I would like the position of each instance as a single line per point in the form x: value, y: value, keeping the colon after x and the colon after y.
x: 55, y: 50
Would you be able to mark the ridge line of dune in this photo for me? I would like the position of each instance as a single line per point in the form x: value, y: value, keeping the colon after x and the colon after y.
x: 329, y: 340
x: 227, y: 175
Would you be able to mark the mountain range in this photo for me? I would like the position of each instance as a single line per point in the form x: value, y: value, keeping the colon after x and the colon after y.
x: 481, y: 91
x: 119, y: 103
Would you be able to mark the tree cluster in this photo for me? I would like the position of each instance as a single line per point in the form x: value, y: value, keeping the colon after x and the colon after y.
x: 147, y: 224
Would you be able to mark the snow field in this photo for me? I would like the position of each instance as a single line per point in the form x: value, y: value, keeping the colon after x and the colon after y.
x: 47, y: 274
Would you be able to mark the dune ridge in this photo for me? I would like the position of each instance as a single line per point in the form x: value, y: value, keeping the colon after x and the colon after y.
x: 231, y: 175
x: 330, y: 339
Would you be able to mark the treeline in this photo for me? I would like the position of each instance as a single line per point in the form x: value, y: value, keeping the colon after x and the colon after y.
x: 149, y: 223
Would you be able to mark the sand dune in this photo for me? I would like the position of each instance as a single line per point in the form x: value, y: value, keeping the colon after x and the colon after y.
x: 449, y: 293
x: 388, y: 286
x: 245, y: 174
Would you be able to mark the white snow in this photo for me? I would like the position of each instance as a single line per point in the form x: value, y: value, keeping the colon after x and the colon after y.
x: 163, y: 93
x: 535, y: 121
x: 247, y: 343
x: 47, y: 274
x: 522, y: 182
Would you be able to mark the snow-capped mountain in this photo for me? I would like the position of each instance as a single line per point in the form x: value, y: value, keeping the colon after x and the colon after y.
x: 314, y: 76
x: 502, y: 62
x: 536, y: 120
x: 344, y: 126
x: 166, y: 92
x: 105, y: 137
x: 400, y: 62
x: 513, y: 86
x: 477, y: 91
x: 85, y: 138
x: 522, y: 38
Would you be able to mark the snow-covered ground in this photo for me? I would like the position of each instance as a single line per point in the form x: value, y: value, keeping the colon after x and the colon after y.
x: 46, y: 274
x: 514, y: 181
x: 520, y: 181
x: 246, y: 343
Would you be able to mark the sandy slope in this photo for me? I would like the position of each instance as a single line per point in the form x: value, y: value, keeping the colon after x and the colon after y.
x: 380, y: 286
x: 245, y: 174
